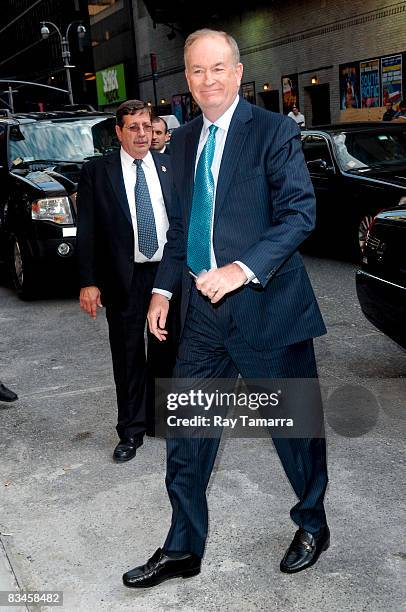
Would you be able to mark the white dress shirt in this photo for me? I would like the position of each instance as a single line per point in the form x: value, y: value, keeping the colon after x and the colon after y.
x: 157, y: 201
x: 223, y: 124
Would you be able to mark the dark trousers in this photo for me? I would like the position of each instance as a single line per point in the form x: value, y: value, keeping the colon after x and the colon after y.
x: 211, y: 346
x: 135, y: 368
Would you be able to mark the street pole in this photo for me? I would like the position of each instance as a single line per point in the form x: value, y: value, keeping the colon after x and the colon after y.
x: 154, y: 79
x: 154, y: 70
x: 10, y: 98
x: 64, y: 40
x: 66, y: 63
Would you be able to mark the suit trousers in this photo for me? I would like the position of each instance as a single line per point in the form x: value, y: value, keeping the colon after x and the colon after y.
x: 135, y: 368
x: 211, y: 346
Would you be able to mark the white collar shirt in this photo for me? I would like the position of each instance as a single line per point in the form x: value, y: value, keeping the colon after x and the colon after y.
x: 223, y: 124
x: 158, y: 205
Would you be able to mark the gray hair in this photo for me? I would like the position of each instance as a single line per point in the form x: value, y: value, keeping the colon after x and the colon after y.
x: 235, y: 52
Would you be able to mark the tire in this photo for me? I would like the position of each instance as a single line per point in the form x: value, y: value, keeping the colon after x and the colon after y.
x: 21, y: 269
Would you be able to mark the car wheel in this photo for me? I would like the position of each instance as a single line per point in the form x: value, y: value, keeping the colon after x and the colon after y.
x: 358, y: 235
x: 21, y: 269
x: 363, y: 228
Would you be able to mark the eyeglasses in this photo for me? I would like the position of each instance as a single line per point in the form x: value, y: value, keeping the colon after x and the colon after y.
x: 146, y: 127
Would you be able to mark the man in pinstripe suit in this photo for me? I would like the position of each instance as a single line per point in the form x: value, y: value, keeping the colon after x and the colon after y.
x: 241, y: 214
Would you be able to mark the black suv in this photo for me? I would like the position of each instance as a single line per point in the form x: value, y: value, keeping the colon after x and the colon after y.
x: 357, y: 169
x: 41, y: 155
x: 381, y: 282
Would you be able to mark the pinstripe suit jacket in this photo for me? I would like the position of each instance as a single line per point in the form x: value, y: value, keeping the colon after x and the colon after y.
x: 264, y: 209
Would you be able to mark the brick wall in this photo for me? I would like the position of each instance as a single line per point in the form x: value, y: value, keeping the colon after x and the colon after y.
x: 308, y: 37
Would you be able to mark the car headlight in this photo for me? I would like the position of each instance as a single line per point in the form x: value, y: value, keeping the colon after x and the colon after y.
x: 402, y: 201
x: 52, y: 209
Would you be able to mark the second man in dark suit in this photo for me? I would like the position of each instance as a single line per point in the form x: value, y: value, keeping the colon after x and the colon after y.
x: 160, y: 136
x: 122, y: 225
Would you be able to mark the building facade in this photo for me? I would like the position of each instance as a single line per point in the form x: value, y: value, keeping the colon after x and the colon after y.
x: 114, y: 51
x: 337, y: 60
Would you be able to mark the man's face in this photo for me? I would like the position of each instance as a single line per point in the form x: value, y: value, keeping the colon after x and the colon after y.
x: 212, y: 76
x: 295, y: 110
x: 159, y: 135
x: 389, y: 106
x: 136, y: 134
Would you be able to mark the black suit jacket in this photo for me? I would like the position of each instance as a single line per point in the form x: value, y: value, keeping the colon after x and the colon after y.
x: 105, y: 237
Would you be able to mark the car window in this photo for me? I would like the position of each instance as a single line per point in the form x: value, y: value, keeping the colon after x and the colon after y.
x: 316, y: 147
x: 372, y: 148
x: 62, y: 140
x: 3, y: 131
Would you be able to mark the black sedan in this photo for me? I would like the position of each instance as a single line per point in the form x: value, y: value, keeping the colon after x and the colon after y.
x: 381, y: 282
x: 357, y: 170
x: 41, y: 155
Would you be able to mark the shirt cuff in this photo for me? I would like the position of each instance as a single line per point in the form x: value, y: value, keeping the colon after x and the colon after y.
x: 251, y: 278
x: 166, y: 294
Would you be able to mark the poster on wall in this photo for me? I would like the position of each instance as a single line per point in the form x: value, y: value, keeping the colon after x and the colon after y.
x: 184, y: 107
x: 187, y: 107
x: 196, y: 110
x: 248, y: 91
x: 290, y: 92
x: 391, y: 76
x: 349, y: 86
x: 177, y: 107
x: 370, y: 86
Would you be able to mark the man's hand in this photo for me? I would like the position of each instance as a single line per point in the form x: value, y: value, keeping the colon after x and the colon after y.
x: 90, y: 299
x: 157, y: 314
x: 216, y: 283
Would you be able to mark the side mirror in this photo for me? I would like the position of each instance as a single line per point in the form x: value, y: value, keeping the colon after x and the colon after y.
x: 318, y: 166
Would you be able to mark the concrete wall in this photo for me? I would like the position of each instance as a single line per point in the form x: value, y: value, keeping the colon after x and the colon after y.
x: 308, y: 37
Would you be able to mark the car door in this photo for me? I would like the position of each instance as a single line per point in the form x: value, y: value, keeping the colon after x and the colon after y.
x: 4, y: 191
x: 326, y: 183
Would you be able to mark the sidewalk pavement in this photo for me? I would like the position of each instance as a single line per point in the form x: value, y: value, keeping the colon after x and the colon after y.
x: 78, y: 521
x: 8, y: 580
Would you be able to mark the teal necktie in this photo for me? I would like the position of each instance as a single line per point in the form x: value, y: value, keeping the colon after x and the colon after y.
x: 199, y: 235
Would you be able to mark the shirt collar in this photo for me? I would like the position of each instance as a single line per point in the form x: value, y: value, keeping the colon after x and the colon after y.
x: 128, y: 161
x: 224, y: 121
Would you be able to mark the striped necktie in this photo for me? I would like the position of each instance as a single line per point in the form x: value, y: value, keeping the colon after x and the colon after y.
x: 199, y: 234
x: 147, y: 238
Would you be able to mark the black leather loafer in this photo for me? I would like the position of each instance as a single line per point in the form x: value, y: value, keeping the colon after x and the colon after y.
x: 6, y: 395
x: 161, y: 567
x: 126, y: 449
x: 304, y: 550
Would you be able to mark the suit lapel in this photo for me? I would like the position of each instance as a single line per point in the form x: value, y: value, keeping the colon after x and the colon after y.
x: 237, y: 133
x: 163, y: 175
x: 115, y: 174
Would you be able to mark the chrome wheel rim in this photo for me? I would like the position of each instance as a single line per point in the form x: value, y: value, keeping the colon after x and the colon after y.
x: 18, y: 264
x: 363, y: 230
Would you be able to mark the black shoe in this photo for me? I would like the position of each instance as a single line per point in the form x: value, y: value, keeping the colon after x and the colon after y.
x: 127, y: 449
x: 161, y: 567
x: 6, y: 395
x: 304, y: 550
